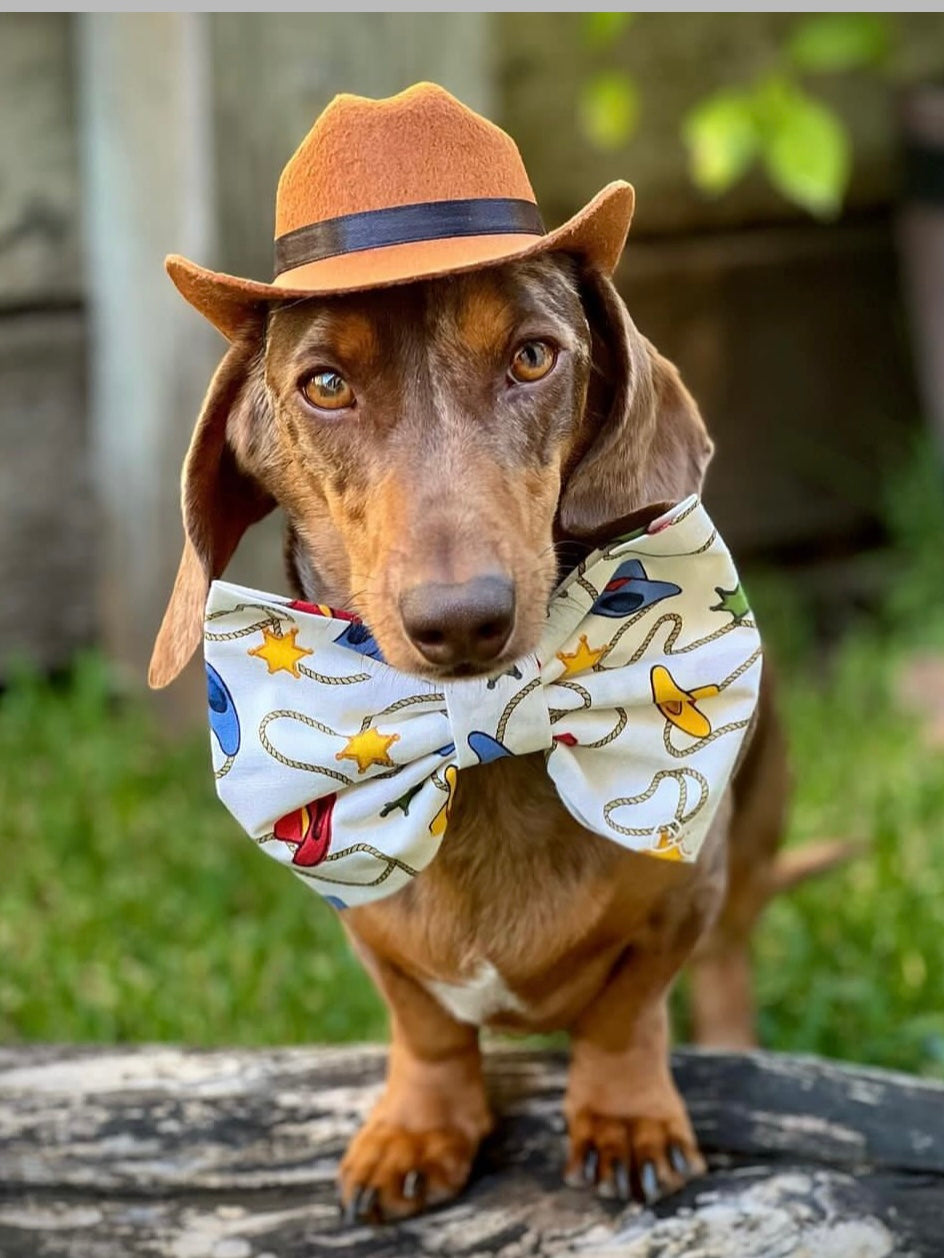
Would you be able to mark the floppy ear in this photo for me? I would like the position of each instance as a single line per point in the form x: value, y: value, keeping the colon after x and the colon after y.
x: 218, y: 501
x: 642, y: 438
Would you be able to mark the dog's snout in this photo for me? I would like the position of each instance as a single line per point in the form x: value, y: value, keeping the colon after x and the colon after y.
x: 467, y: 623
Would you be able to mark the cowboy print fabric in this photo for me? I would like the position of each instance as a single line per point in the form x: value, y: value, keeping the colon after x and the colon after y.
x: 639, y: 695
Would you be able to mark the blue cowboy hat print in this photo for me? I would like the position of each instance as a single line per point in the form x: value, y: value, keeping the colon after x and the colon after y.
x: 223, y: 719
x: 630, y: 590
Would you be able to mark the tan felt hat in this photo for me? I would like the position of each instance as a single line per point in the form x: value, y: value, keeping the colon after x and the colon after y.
x: 389, y: 191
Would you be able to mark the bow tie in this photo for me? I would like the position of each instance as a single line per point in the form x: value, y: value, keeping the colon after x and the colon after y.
x: 639, y: 695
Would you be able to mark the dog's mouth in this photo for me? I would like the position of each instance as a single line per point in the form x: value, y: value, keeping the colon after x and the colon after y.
x: 460, y: 671
x: 467, y: 670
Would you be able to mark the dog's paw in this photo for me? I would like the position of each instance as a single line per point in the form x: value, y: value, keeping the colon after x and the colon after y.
x: 391, y: 1173
x: 645, y: 1158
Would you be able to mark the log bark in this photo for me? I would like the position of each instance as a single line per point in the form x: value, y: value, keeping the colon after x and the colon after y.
x: 232, y: 1154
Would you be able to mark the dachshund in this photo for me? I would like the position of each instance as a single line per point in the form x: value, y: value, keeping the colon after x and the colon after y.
x: 435, y: 446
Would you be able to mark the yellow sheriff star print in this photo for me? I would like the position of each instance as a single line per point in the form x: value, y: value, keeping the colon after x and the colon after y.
x: 280, y: 652
x: 369, y: 747
x: 581, y: 660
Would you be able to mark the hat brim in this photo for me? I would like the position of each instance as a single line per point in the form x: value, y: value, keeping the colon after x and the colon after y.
x: 597, y: 233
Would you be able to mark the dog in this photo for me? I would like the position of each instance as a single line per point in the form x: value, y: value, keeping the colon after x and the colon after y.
x: 437, y: 446
x: 488, y: 473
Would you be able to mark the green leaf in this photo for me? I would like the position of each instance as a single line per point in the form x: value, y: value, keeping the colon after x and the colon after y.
x: 805, y: 147
x: 609, y: 110
x: 833, y: 42
x: 600, y: 30
x: 722, y: 139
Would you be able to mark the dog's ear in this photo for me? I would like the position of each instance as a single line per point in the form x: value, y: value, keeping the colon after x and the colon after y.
x: 218, y: 501
x: 642, y: 438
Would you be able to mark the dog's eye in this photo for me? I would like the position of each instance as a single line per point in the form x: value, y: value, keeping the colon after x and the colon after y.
x: 328, y: 390
x: 532, y: 361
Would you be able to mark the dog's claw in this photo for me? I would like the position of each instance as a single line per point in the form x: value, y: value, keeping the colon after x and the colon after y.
x: 621, y: 1180
x: 649, y: 1182
x: 352, y: 1209
x: 360, y: 1205
x: 368, y: 1201
x: 389, y: 1173
x: 631, y: 1158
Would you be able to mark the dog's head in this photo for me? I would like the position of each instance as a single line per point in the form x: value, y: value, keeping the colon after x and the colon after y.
x: 429, y: 443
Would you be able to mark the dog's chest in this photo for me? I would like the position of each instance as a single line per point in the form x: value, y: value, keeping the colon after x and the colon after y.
x: 481, y: 996
x: 509, y: 894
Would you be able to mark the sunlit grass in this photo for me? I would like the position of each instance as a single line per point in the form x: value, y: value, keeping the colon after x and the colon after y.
x: 853, y: 965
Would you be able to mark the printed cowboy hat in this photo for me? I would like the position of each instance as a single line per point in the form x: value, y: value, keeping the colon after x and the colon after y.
x: 385, y: 192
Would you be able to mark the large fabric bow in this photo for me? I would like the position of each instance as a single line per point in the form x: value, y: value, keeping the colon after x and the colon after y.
x: 640, y: 694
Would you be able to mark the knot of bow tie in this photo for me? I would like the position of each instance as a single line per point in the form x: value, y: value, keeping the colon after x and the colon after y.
x: 639, y: 695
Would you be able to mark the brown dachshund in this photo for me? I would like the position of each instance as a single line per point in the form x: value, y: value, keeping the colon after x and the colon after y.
x: 432, y: 445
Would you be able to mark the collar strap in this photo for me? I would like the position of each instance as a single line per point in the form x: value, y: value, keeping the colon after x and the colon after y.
x: 406, y: 224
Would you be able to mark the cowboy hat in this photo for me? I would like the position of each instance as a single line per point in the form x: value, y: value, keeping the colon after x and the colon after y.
x: 385, y: 192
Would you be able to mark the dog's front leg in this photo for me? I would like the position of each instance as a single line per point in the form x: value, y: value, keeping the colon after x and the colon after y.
x: 417, y: 1146
x: 629, y: 1132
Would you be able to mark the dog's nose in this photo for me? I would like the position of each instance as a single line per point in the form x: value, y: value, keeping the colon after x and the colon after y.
x: 468, y: 623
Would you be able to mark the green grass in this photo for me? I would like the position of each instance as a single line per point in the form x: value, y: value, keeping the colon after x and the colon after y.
x: 132, y: 908
x: 852, y: 965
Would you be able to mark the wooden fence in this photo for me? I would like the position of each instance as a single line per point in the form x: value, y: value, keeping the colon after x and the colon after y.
x: 125, y: 137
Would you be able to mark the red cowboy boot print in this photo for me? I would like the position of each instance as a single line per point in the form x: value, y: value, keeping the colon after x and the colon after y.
x: 308, y: 829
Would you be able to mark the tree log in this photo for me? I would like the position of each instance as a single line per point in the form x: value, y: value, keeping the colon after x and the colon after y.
x: 120, y: 1153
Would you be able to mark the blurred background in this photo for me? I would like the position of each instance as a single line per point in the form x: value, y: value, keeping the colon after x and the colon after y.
x: 787, y: 253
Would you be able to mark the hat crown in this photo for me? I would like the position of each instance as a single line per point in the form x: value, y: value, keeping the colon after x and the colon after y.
x: 420, y: 145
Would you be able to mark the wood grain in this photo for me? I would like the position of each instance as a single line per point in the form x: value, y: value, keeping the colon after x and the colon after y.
x: 232, y: 1154
x: 47, y: 524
